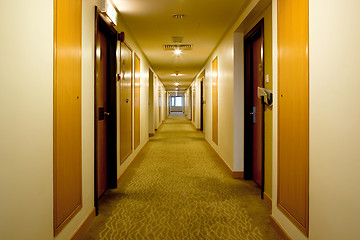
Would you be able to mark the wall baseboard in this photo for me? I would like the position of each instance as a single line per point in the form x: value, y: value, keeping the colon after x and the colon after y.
x: 234, y: 174
x: 84, y: 226
x: 278, y: 229
x: 238, y: 174
x: 267, y: 200
x: 130, y: 164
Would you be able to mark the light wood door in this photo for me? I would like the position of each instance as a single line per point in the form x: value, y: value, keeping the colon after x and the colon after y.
x: 159, y: 104
x: 202, y: 105
x: 137, y: 102
x: 125, y: 102
x: 293, y: 111
x: 67, y: 112
x: 102, y: 110
x: 215, y: 100
x: 258, y: 112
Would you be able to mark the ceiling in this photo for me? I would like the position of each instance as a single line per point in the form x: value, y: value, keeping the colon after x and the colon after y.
x: 204, y: 24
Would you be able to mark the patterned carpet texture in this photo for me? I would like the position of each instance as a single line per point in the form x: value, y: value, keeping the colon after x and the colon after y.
x: 178, y: 189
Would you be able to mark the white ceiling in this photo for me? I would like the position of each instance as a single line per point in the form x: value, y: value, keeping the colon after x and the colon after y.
x: 204, y: 24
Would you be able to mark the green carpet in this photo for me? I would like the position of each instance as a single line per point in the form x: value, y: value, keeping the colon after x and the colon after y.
x: 178, y: 189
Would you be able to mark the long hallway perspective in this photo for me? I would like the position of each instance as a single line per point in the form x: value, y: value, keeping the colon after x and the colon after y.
x: 177, y: 188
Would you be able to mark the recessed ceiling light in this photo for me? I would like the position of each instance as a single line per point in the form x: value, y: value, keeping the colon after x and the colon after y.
x: 178, y: 15
x: 177, y: 52
x: 176, y: 84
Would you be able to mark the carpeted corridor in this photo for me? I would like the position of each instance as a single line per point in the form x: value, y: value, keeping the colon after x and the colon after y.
x: 178, y: 189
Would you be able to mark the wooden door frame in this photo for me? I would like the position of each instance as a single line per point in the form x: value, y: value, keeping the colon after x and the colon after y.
x: 103, y: 24
x: 256, y: 32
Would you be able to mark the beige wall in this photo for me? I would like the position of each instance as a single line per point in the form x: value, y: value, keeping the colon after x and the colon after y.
x: 334, y: 122
x: 26, y: 96
x: 230, y: 88
x: 144, y: 97
x: 224, y: 52
x: 26, y: 123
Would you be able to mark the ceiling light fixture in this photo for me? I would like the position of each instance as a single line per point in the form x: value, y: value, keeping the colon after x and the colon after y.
x: 176, y: 84
x: 177, y: 52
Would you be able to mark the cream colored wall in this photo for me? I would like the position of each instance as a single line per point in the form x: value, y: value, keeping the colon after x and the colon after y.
x: 224, y: 52
x: 26, y: 123
x: 26, y: 75
x: 144, y: 97
x: 334, y: 122
x: 266, y: 15
x: 196, y: 86
x: 230, y: 89
x: 159, y: 98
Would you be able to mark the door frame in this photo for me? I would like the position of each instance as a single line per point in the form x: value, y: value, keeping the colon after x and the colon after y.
x: 103, y: 24
x: 202, y: 104
x: 256, y: 32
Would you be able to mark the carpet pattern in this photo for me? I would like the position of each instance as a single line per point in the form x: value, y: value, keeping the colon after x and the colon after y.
x: 178, y: 189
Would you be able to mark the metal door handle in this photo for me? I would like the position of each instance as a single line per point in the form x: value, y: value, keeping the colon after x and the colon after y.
x: 253, y: 114
x: 107, y: 113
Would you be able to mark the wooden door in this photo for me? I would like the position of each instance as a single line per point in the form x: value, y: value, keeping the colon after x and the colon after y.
x: 253, y: 105
x: 202, y: 105
x: 215, y: 100
x: 67, y: 112
x: 102, y: 110
x: 258, y: 112
x: 125, y: 102
x: 159, y: 104
x: 137, y: 102
x: 293, y: 111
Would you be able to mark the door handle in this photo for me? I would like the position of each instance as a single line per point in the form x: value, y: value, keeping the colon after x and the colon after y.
x: 253, y: 114
x: 107, y: 113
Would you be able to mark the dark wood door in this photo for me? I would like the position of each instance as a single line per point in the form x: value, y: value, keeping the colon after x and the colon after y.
x: 102, y: 111
x: 254, y: 108
x: 125, y: 102
x: 258, y: 112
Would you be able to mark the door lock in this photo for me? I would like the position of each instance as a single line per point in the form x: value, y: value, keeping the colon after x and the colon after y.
x: 253, y: 114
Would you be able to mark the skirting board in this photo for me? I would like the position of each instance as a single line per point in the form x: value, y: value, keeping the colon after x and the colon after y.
x: 234, y: 174
x: 238, y: 175
x: 132, y: 162
x: 267, y: 200
x: 84, y: 226
x: 278, y: 229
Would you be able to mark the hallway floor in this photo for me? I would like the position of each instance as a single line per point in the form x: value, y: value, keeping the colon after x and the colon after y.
x: 177, y: 188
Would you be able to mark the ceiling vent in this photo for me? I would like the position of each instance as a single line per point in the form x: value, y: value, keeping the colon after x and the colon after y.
x: 178, y: 46
x: 177, y: 39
